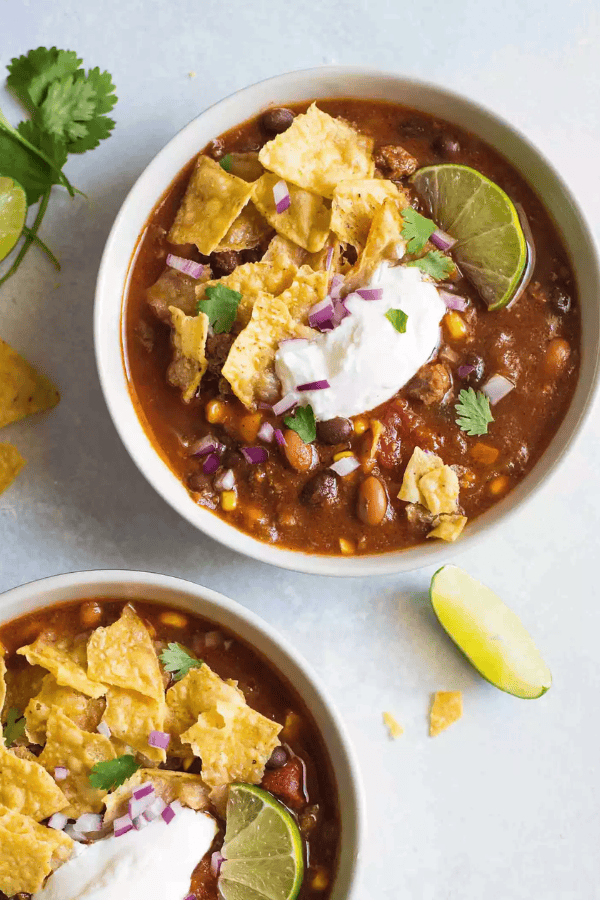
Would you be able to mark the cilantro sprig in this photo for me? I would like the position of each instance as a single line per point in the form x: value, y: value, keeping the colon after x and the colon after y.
x: 435, y: 264
x: 14, y: 727
x: 221, y: 306
x: 111, y: 774
x: 68, y: 115
x: 178, y: 662
x: 474, y: 414
x: 398, y: 318
x: 416, y: 230
x: 303, y: 423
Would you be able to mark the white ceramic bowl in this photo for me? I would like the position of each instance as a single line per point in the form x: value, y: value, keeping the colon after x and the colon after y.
x: 296, y: 86
x: 258, y: 634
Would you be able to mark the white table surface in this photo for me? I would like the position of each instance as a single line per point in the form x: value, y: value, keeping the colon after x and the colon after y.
x: 505, y: 803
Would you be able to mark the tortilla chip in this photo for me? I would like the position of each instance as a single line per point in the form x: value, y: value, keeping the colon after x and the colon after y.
x: 307, y: 288
x: 420, y: 463
x: 196, y: 693
x: 131, y: 717
x: 248, y: 230
x: 123, y: 655
x: 188, y: 789
x: 26, y: 787
x: 79, y: 751
x: 189, y: 359
x: 23, y: 390
x: 384, y: 242
x: 394, y: 727
x: 306, y: 221
x: 85, y: 712
x: 61, y: 663
x: 234, y: 743
x: 212, y: 202
x: 28, y: 852
x: 245, y: 165
x: 448, y: 527
x: 355, y: 204
x: 317, y: 152
x: 439, y: 489
x: 446, y: 709
x: 281, y: 248
x: 318, y: 261
x: 11, y: 463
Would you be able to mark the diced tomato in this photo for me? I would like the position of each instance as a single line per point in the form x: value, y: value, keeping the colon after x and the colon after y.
x: 287, y: 783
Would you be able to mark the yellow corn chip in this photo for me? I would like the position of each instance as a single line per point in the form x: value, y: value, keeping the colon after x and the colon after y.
x: 61, y: 663
x: 11, y: 463
x: 282, y: 249
x: 79, y: 751
x: 307, y: 288
x: 197, y: 692
x: 448, y: 527
x: 23, y: 390
x: 26, y: 787
x: 420, y: 463
x: 248, y: 230
x: 131, y: 717
x: 306, y: 221
x: 188, y: 789
x: 394, y: 727
x: 384, y: 241
x: 189, y: 361
x: 245, y: 165
x: 318, y: 261
x: 439, y: 490
x: 317, y: 152
x: 446, y: 709
x: 355, y: 204
x: 123, y: 655
x: 211, y: 204
x: 85, y: 712
x: 28, y: 852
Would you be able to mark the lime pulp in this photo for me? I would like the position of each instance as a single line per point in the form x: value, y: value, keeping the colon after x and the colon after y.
x: 13, y: 210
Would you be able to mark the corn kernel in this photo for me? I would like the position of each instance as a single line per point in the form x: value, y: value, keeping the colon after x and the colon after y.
x: 498, y: 485
x: 342, y: 455
x: 360, y: 425
x: 228, y: 500
x: 216, y: 411
x: 455, y: 325
x: 248, y: 427
x: 291, y: 727
x: 320, y: 880
x: 347, y: 547
x: 173, y: 619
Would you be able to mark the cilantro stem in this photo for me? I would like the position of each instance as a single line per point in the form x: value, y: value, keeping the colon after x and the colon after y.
x: 43, y: 247
x: 29, y: 238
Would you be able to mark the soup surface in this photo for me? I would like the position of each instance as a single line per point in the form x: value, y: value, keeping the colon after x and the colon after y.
x: 339, y: 474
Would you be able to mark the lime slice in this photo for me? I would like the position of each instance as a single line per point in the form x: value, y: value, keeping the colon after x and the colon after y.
x: 262, y: 849
x: 13, y: 210
x: 490, y: 635
x: 491, y: 248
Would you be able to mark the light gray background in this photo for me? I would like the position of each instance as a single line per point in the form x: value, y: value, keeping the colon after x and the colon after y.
x: 505, y: 804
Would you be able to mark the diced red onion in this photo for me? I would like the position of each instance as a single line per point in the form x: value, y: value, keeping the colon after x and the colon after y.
x: 190, y: 897
x: 329, y: 258
x: 336, y: 285
x: 140, y: 822
x: 168, y: 814
x: 453, y: 301
x: 88, y: 822
x: 57, y: 821
x: 286, y: 404
x: 211, y: 464
x: 137, y: 806
x: 255, y: 455
x: 187, y: 266
x: 370, y: 293
x: 122, y: 825
x: 159, y: 739
x: 321, y: 313
x: 464, y: 371
x: 497, y: 387
x: 225, y: 481
x: 74, y: 834
x: 261, y: 403
x: 345, y: 465
x: 60, y: 773
x: 340, y: 311
x: 155, y: 809
x: 266, y: 432
x: 442, y: 240
x: 144, y: 790
x: 279, y: 437
x: 216, y: 861
x: 281, y: 196
x: 314, y: 385
x: 207, y: 444
x: 103, y: 729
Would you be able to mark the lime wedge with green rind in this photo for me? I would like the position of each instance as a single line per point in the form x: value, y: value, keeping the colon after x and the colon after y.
x: 490, y: 248
x: 263, y: 849
x: 13, y: 211
x: 491, y: 636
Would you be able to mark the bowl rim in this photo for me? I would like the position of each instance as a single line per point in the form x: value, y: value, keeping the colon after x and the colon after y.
x: 162, y: 479
x: 223, y: 611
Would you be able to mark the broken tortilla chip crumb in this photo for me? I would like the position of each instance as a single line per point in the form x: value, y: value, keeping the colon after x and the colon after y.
x: 395, y: 728
x: 445, y: 710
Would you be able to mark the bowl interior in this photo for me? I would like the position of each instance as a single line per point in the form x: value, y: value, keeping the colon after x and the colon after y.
x: 230, y: 615
x: 336, y: 82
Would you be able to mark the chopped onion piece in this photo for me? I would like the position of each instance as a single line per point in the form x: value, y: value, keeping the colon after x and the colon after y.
x: 464, y: 371
x: 211, y: 464
x: 340, y: 311
x: 140, y: 822
x: 266, y: 432
x: 144, y: 790
x: 453, y: 301
x: 60, y: 773
x: 159, y: 739
x: 281, y: 196
x: 88, y: 822
x: 279, y: 437
x: 207, y: 444
x: 216, y: 861
x: 168, y: 814
x: 103, y: 729
x: 497, y: 387
x: 155, y: 809
x: 321, y: 313
x: 314, y: 385
x: 329, y: 258
x: 442, y: 240
x: 74, y: 834
x: 187, y: 266
x: 345, y: 465
x: 57, y: 821
x: 137, y: 807
x: 255, y: 454
x: 122, y: 825
x: 336, y: 286
x: 226, y: 480
x: 286, y: 404
x: 370, y: 293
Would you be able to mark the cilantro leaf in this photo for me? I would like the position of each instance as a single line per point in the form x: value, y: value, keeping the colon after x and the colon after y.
x: 111, y: 774
x: 14, y: 727
x: 474, y: 414
x: 416, y: 230
x: 16, y: 161
x: 225, y: 162
x: 303, y: 423
x: 30, y: 75
x: 220, y: 306
x: 434, y: 264
x: 178, y: 661
x: 398, y: 319
x: 68, y: 105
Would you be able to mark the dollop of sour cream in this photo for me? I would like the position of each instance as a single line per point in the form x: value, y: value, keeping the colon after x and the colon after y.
x: 365, y: 360
x: 140, y: 865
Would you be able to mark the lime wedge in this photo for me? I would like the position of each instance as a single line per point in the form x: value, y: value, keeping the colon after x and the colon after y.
x: 490, y: 635
x: 491, y: 248
x: 13, y: 210
x: 262, y: 849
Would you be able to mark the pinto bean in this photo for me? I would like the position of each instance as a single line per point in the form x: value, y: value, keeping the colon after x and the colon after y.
x: 334, y: 431
x: 321, y: 489
x: 90, y: 614
x: 301, y: 457
x: 277, y: 120
x: 372, y: 501
x: 557, y: 356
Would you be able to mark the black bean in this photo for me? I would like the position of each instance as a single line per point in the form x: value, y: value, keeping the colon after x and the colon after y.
x: 475, y: 377
x: 334, y: 431
x: 560, y: 300
x: 274, y: 121
x: 277, y: 759
x: 321, y: 489
x: 233, y: 459
x: 224, y: 263
x: 198, y: 482
x: 445, y: 146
